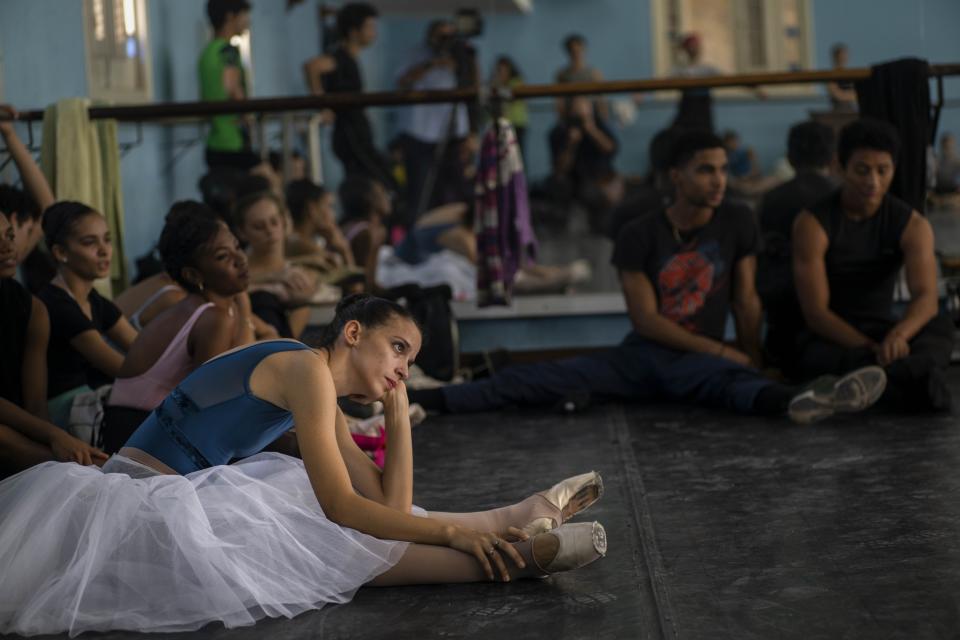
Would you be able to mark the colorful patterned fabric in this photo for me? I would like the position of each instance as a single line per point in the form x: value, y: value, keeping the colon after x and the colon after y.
x: 505, y: 238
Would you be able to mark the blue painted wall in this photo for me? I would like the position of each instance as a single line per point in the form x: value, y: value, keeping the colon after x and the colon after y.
x: 618, y: 32
x: 165, y: 167
x: 42, y: 51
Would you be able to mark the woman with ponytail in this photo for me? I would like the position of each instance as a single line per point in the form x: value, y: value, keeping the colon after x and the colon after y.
x: 189, y: 539
x: 281, y: 291
x: 81, y: 320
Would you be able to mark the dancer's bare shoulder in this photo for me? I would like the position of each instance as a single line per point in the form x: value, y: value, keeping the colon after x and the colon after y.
x: 252, y: 344
x: 281, y: 376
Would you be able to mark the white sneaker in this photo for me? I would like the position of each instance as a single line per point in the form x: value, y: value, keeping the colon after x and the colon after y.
x: 828, y: 395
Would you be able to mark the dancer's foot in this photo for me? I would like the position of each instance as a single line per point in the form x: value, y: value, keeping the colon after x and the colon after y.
x: 569, y: 546
x: 569, y: 498
x: 828, y: 395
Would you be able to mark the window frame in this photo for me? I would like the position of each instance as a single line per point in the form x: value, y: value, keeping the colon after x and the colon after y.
x: 139, y: 95
x: 663, y: 60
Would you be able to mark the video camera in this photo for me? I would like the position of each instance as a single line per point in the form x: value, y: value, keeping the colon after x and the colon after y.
x: 467, y: 23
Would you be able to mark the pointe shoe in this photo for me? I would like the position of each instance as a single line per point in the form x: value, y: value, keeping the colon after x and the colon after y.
x: 827, y: 395
x: 580, y: 544
x: 561, y: 495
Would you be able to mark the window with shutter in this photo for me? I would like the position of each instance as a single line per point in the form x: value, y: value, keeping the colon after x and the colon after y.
x: 117, y: 50
x: 737, y: 36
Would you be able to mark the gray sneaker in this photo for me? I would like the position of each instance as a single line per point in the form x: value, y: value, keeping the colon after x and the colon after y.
x: 828, y: 395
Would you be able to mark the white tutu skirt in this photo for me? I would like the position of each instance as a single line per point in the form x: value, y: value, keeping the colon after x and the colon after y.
x: 86, y: 550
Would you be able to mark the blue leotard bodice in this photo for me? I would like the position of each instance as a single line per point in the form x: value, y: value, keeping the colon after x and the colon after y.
x: 212, y: 417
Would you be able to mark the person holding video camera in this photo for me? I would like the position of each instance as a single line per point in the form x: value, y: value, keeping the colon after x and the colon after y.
x: 436, y: 138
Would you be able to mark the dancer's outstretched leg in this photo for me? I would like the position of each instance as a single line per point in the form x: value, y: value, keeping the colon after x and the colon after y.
x: 552, y: 546
x: 568, y: 547
x: 430, y: 564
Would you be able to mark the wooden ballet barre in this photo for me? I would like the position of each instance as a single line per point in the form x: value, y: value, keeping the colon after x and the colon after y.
x: 203, y: 109
x: 712, y: 82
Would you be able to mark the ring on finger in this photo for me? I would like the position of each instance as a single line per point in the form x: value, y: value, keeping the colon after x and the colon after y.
x: 496, y: 542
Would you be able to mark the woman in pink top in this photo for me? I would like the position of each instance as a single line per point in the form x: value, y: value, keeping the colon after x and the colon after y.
x: 202, y: 256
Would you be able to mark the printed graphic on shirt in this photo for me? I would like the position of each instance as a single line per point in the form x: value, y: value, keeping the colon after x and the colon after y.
x: 687, y: 279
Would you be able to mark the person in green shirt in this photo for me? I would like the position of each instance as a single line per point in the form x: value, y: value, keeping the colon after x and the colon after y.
x: 222, y: 77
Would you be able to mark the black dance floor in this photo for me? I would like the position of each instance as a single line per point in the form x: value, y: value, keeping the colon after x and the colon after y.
x: 719, y: 526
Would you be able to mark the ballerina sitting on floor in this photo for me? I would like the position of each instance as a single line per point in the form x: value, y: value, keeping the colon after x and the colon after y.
x: 170, y: 537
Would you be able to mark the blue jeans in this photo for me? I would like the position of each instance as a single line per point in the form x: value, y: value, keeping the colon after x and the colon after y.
x: 637, y: 370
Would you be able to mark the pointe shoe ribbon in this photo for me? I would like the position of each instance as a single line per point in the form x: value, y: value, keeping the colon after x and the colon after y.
x: 562, y: 494
x: 580, y: 544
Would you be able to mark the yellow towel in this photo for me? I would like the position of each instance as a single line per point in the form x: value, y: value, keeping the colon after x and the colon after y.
x: 81, y: 161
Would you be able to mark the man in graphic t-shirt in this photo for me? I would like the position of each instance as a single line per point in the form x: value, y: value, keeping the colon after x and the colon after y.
x: 683, y: 268
x: 693, y: 263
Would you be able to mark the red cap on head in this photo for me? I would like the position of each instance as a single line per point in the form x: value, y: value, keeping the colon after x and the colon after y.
x: 690, y: 41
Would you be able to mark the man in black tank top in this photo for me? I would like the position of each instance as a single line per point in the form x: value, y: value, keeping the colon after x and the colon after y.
x: 339, y: 72
x: 848, y: 251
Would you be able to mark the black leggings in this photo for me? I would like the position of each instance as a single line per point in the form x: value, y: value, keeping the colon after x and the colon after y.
x: 244, y: 160
x: 914, y: 383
